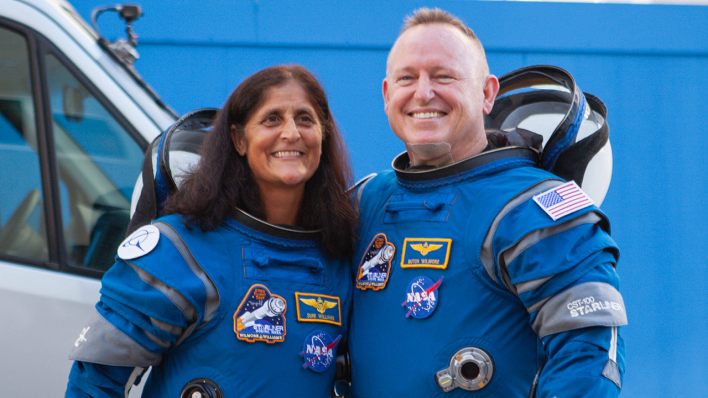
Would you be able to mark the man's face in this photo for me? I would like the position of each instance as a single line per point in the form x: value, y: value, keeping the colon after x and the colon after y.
x: 435, y: 91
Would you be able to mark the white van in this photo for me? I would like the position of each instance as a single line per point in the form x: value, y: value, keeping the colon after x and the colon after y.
x: 74, y: 122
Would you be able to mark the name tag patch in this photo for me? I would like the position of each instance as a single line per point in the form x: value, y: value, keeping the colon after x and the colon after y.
x: 260, y: 316
x: 318, y: 351
x: 421, y: 297
x: 318, y: 308
x: 375, y: 266
x: 425, y: 253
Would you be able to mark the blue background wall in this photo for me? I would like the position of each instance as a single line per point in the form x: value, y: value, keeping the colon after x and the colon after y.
x: 649, y: 63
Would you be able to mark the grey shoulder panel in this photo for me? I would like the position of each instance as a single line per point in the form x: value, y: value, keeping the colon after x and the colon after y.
x: 187, y: 309
x: 212, y: 293
x: 584, y: 305
x: 486, y: 254
x: 524, y: 287
x: 508, y: 255
x: 359, y: 187
x: 358, y: 184
x: 103, y: 343
x: 612, y: 373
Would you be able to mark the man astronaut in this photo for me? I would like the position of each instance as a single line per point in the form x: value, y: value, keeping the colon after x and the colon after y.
x: 488, y: 276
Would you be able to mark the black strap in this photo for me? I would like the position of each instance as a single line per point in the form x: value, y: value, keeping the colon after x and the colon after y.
x: 534, y: 385
x: 146, y: 208
x: 572, y: 162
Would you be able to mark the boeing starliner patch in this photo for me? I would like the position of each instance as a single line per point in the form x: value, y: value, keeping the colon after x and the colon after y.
x: 425, y: 253
x: 139, y: 243
x: 318, y: 351
x: 313, y: 307
x: 375, y: 266
x: 421, y: 299
x: 563, y: 200
x: 260, y: 316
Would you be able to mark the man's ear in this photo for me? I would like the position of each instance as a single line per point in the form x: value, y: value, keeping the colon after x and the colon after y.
x: 384, y: 91
x: 490, y: 89
x: 238, y: 141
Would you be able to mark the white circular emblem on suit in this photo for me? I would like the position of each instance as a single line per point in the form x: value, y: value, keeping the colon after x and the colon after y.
x: 139, y: 243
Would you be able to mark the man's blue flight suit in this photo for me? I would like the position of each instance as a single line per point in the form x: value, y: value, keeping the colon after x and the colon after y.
x: 463, y: 256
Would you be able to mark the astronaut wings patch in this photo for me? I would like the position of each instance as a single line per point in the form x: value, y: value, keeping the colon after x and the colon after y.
x: 313, y: 307
x: 563, y: 200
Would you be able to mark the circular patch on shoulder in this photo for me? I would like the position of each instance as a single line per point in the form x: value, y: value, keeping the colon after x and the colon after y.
x: 139, y: 243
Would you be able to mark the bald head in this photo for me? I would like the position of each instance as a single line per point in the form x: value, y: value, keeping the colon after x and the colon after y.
x: 437, y: 90
x: 427, y: 16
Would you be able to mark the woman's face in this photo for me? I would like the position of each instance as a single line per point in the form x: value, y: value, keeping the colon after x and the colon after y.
x: 283, y: 139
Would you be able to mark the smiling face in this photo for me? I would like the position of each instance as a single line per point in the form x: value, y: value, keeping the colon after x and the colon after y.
x: 436, y: 92
x: 283, y: 139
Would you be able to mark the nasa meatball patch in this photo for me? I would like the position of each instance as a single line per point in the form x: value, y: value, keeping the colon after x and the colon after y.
x: 421, y: 297
x: 318, y: 351
x: 139, y: 243
x: 375, y: 266
x: 260, y: 316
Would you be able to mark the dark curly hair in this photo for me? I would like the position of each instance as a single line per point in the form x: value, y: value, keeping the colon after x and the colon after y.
x: 223, y: 180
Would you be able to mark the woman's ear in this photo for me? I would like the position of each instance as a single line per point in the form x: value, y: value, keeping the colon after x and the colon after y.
x: 238, y: 141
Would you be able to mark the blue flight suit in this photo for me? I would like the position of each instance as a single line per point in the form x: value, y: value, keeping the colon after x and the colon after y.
x: 255, y: 308
x: 463, y: 256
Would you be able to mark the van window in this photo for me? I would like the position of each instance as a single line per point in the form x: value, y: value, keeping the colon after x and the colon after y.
x: 98, y: 163
x: 22, y: 225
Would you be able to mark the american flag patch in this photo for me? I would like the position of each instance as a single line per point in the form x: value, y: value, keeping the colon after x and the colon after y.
x: 563, y: 200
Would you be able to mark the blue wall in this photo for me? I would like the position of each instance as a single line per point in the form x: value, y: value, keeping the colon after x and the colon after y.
x: 649, y: 63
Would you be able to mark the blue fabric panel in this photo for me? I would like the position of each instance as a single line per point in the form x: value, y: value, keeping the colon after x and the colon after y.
x: 576, y: 361
x: 544, y: 259
x: 106, y: 381
x: 602, y: 273
x: 572, y: 276
x: 122, y: 285
x: 297, y: 266
x: 167, y: 265
x: 408, y: 206
x: 550, y: 159
x: 132, y: 323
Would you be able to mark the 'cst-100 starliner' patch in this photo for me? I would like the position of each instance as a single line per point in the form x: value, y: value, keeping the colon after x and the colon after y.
x: 260, y: 316
x: 375, y: 266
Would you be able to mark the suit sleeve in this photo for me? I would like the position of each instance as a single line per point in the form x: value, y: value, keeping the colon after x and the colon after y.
x: 90, y: 380
x: 564, y: 274
x: 148, y: 305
